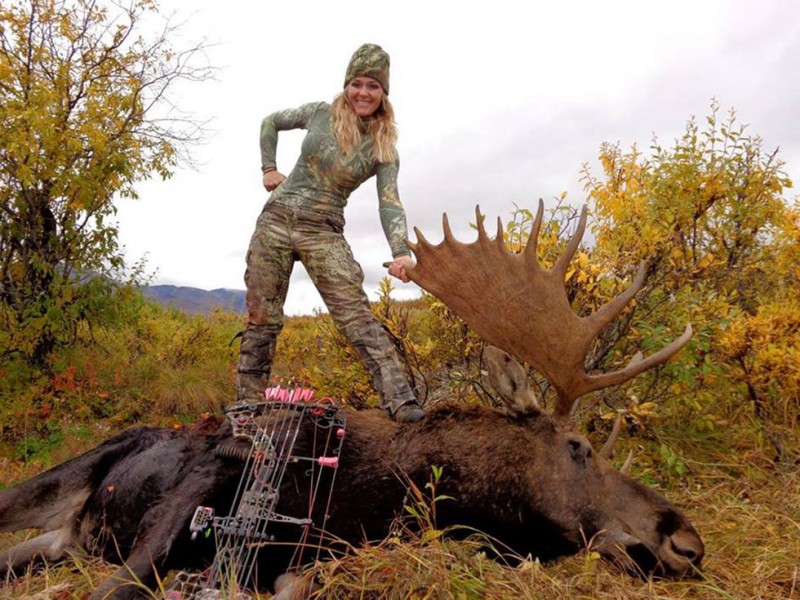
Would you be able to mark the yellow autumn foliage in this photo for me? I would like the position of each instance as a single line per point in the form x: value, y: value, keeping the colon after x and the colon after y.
x: 721, y: 246
x: 763, y: 352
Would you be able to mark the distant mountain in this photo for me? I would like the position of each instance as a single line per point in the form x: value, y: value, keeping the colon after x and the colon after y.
x: 195, y: 301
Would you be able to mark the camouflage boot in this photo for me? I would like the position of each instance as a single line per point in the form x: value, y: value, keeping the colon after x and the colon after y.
x: 255, y: 362
x: 381, y: 361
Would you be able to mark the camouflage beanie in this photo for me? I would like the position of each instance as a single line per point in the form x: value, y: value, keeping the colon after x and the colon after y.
x: 369, y: 60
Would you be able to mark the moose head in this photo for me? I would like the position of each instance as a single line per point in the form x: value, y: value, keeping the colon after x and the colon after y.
x: 514, y: 303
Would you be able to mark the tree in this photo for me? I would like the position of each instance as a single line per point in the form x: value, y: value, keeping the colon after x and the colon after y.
x: 702, y: 213
x: 84, y: 114
x: 709, y: 220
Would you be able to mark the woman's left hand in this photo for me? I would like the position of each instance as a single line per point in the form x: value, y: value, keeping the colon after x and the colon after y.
x: 397, y: 267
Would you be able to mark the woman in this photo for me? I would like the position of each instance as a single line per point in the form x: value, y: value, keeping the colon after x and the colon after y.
x: 347, y: 143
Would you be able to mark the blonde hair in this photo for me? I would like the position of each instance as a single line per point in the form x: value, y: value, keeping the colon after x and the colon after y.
x: 347, y: 127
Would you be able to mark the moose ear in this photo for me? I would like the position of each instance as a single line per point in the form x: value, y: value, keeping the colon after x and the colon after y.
x: 510, y: 380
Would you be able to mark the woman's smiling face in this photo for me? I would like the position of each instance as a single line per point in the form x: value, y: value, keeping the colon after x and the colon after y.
x: 364, y: 95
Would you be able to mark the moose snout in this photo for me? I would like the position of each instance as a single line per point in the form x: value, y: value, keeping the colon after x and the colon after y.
x: 674, y: 549
x: 682, y: 552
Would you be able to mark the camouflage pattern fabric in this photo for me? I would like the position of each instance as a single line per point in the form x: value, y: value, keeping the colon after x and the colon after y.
x: 284, y: 235
x: 369, y: 60
x: 323, y: 178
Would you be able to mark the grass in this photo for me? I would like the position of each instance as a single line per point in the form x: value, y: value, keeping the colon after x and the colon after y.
x: 751, y: 527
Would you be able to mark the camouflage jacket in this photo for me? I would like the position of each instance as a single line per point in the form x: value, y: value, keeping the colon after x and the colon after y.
x: 323, y: 178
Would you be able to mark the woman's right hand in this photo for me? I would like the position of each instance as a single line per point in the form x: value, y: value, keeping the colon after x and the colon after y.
x: 272, y: 179
x: 397, y: 267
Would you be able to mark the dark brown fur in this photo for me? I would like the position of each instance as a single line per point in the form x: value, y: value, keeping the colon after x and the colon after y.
x: 529, y: 481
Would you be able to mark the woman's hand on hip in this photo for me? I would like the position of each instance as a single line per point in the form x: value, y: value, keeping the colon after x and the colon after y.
x: 397, y: 267
x: 272, y: 179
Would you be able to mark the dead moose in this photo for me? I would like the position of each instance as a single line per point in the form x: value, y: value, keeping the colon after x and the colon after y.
x: 527, y: 478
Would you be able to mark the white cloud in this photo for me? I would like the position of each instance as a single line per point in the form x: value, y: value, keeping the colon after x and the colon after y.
x: 496, y: 104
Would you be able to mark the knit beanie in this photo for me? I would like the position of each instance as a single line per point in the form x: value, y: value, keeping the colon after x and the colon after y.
x: 369, y: 60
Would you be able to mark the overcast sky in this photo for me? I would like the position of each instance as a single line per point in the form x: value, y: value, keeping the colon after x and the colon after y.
x: 497, y: 103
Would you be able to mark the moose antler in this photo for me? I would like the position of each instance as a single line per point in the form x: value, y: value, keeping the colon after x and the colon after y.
x: 511, y: 301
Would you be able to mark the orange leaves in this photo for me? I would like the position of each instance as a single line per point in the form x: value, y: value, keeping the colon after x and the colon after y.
x: 65, y: 381
x: 41, y: 412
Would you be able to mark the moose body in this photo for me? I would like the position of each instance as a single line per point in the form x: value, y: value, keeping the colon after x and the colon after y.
x: 525, y: 477
x: 535, y: 486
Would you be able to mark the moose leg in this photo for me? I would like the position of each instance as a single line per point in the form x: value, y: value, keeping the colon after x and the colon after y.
x: 132, y: 580
x: 50, y: 546
x: 162, y: 539
x: 294, y: 587
x: 147, y: 560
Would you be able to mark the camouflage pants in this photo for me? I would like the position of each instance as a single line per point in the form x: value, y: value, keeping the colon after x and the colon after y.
x: 282, y: 236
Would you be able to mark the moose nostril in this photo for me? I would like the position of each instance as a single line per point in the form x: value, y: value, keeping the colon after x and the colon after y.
x: 688, y: 546
x: 687, y: 552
